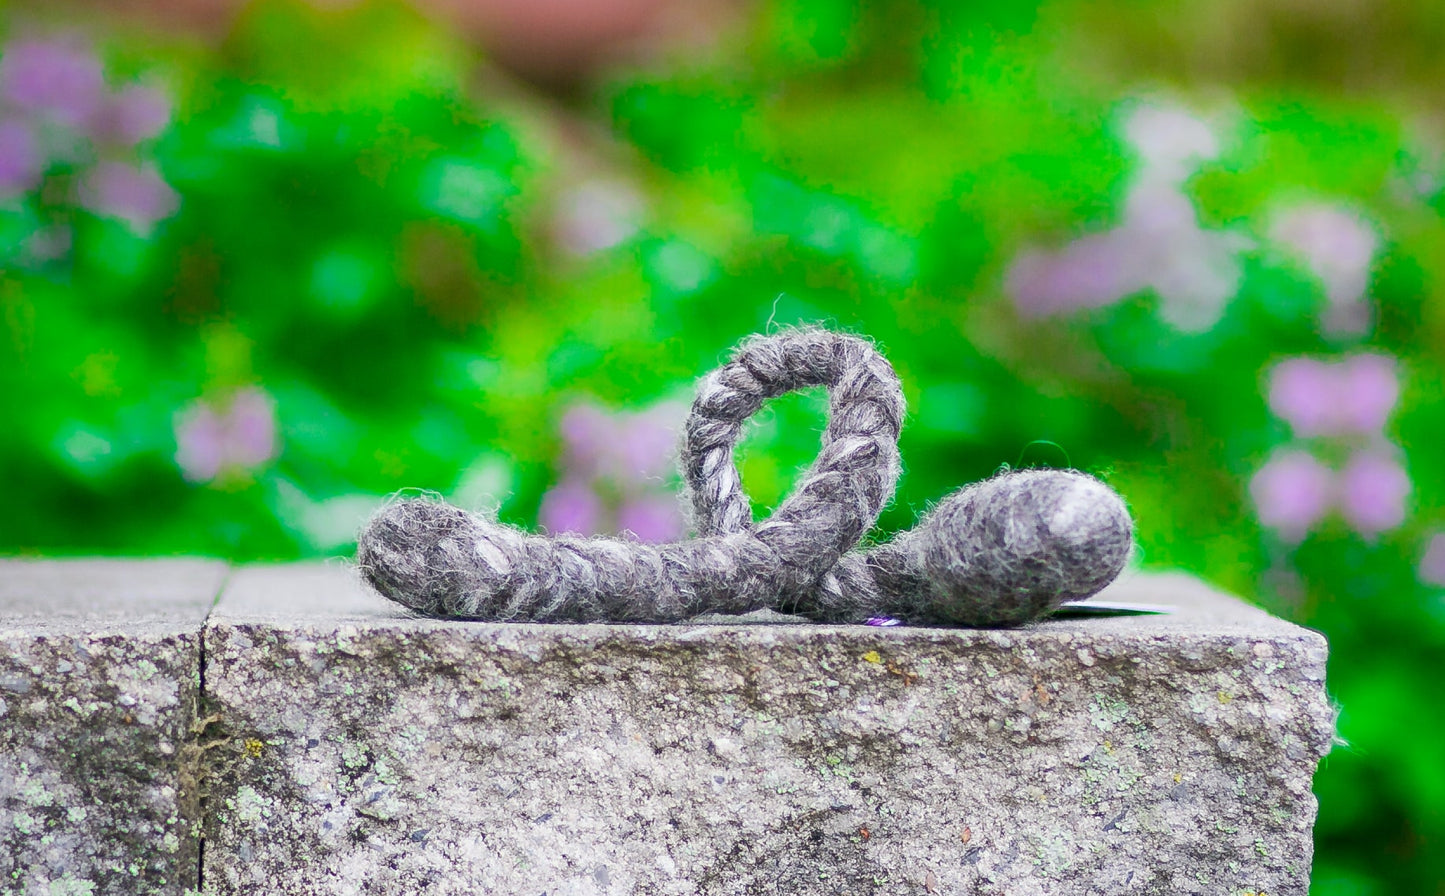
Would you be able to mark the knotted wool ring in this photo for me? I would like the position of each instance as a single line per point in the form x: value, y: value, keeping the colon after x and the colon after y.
x: 1001, y: 552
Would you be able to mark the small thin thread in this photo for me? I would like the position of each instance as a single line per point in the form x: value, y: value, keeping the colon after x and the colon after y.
x: 1023, y: 452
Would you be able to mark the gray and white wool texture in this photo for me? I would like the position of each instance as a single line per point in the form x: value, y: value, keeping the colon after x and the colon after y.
x: 998, y: 553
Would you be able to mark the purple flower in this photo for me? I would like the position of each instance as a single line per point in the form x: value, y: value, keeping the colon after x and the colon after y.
x: 583, y: 425
x: 200, y: 443
x: 21, y: 159
x: 1159, y: 245
x: 1170, y: 140
x: 615, y: 466
x: 135, y: 114
x: 1374, y: 489
x: 252, y: 425
x: 58, y: 80
x: 654, y: 519
x: 647, y: 447
x: 135, y: 194
x: 597, y: 216
x: 1319, y: 398
x: 570, y: 507
x: 237, y: 435
x: 1339, y: 247
x: 1432, y: 565
x: 1194, y: 272
x: 1369, y: 388
x: 1301, y: 392
x: 1292, y: 492
x: 626, y: 447
x: 1094, y: 271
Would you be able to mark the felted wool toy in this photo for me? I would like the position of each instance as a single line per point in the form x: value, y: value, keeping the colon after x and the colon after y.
x: 1001, y: 552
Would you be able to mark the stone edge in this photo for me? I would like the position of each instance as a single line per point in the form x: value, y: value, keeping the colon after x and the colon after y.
x: 366, y: 611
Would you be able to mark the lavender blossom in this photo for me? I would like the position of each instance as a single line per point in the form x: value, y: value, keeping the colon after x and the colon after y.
x: 1292, y: 493
x: 647, y: 443
x: 571, y: 506
x: 585, y: 429
x: 636, y: 446
x: 1158, y: 246
x: 1302, y: 393
x: 616, y: 464
x: 596, y: 216
x: 234, y: 436
x: 21, y: 159
x: 1170, y: 140
x: 55, y: 107
x: 134, y: 114
x: 1339, y: 247
x: 55, y: 80
x: 1195, y: 272
x: 1094, y: 271
x: 1373, y: 492
x: 1432, y: 565
x: 135, y: 194
x: 1354, y: 396
x: 651, y: 518
x: 1370, y: 388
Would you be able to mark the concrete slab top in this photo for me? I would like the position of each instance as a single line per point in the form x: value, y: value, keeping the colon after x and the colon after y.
x: 322, y: 596
x: 96, y: 595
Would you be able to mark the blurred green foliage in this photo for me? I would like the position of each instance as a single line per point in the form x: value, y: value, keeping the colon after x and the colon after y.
x: 386, y: 271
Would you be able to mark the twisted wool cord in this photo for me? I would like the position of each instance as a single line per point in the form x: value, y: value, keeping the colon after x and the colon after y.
x: 439, y: 560
x: 1001, y: 552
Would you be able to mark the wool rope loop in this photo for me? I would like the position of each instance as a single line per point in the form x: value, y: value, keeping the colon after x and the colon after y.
x: 1001, y: 552
x: 858, y: 465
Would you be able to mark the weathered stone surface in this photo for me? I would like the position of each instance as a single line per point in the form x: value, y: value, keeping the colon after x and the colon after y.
x: 361, y: 752
x: 99, y: 678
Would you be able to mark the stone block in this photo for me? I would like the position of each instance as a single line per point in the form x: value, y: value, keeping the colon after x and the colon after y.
x: 99, y: 683
x: 358, y: 751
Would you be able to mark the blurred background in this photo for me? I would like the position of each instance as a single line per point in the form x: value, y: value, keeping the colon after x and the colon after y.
x: 264, y: 263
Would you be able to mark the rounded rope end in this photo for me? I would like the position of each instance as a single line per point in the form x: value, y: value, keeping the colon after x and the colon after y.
x: 432, y: 558
x: 1012, y: 549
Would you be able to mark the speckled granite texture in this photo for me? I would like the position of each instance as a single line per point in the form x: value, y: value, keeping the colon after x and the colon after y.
x: 353, y: 751
x: 326, y: 745
x: 99, y: 682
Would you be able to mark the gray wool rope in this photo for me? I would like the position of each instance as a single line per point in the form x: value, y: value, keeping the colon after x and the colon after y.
x: 1001, y: 552
x: 440, y: 560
